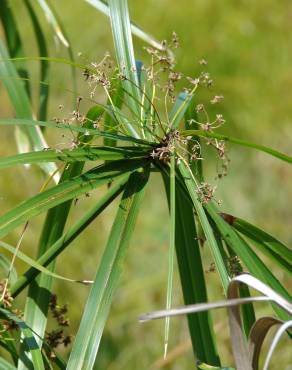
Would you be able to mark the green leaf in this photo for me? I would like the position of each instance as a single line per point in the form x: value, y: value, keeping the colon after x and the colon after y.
x: 37, y: 303
x: 86, y: 131
x: 66, y: 239
x: 179, y: 109
x: 65, y: 191
x: 191, y: 118
x: 39, y: 290
x: 89, y: 153
x: 13, y: 40
x: 147, y: 111
x: 44, y: 64
x: 110, y: 124
x: 266, y: 243
x: 121, y: 29
x: 215, y: 249
x: 247, y: 256
x: 34, y: 263
x: 29, y: 342
x: 103, y: 7
x: 171, y: 250
x: 234, y: 140
x: 52, y: 19
x: 21, y: 104
x: 235, y: 268
x: 98, y: 304
x: 192, y: 278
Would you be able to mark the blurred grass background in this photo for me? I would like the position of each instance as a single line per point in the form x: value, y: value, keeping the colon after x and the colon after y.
x: 248, y: 48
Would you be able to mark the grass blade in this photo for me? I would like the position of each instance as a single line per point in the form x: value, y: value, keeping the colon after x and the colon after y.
x: 192, y: 279
x: 21, y: 104
x: 51, y: 17
x: 103, y: 7
x: 35, y: 264
x: 121, y: 29
x: 266, y: 243
x: 54, y: 251
x: 13, y: 40
x: 218, y: 259
x: 29, y: 342
x: 88, y: 153
x: 171, y: 250
x: 58, y: 29
x: 44, y: 64
x: 246, y: 254
x: 65, y: 191
x: 262, y: 148
x: 37, y: 303
x: 98, y: 304
x: 86, y: 131
x: 191, y: 119
x: 110, y: 124
x: 200, y: 307
x: 179, y: 108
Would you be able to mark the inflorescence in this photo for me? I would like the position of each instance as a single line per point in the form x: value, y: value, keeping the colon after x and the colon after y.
x: 158, y: 86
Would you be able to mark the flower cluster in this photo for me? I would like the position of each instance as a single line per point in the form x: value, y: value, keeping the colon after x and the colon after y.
x: 57, y: 337
x: 157, y: 86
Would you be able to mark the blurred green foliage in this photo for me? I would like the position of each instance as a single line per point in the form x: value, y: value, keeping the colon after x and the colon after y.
x: 248, y: 48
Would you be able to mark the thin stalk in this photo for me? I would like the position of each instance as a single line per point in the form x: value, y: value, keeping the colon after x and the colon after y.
x: 171, y: 251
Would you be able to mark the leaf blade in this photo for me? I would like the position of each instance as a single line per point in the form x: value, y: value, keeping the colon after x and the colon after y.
x: 245, y: 143
x: 218, y: 259
x: 89, y: 334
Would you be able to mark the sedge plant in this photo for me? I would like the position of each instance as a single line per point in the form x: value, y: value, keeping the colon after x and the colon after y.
x: 141, y: 126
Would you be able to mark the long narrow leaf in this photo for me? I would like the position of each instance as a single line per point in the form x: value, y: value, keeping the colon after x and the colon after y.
x: 179, y: 109
x: 98, y: 304
x: 218, y: 259
x: 44, y: 64
x: 29, y: 342
x: 21, y: 104
x: 246, y: 254
x: 110, y: 124
x: 65, y: 191
x: 265, y: 242
x: 89, y: 153
x: 86, y: 131
x: 192, y: 279
x: 245, y: 143
x: 60, y: 32
x: 51, y: 17
x: 13, y: 40
x: 121, y: 29
x: 191, y: 117
x: 25, y: 258
x: 171, y: 248
x: 37, y: 302
x: 67, y: 238
x: 136, y: 30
